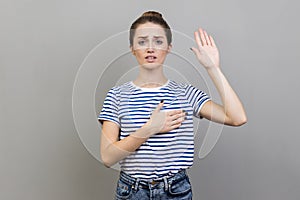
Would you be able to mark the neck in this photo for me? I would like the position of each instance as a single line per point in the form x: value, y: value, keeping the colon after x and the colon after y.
x: 150, y: 77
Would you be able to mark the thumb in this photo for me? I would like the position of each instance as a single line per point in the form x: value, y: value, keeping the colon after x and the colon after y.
x: 159, y: 106
x: 195, y: 50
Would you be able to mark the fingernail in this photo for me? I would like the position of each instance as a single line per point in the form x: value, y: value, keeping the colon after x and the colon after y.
x: 161, y: 101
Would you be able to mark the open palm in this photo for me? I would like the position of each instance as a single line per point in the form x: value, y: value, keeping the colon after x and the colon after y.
x: 207, y: 51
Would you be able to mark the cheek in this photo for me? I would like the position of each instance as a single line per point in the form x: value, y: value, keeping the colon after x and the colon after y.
x: 138, y: 54
x: 162, y: 54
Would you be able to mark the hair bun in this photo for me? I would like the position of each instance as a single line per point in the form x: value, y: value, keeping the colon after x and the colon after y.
x: 152, y: 14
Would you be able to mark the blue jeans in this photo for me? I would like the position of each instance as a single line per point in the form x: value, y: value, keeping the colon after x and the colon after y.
x: 175, y: 187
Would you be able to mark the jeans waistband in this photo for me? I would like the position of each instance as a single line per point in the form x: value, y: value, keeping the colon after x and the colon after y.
x: 167, y: 180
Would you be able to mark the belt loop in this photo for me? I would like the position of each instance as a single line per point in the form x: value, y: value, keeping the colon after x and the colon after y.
x: 166, y: 183
x: 136, y: 184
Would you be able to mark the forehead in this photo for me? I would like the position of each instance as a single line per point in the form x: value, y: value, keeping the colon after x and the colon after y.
x: 149, y: 29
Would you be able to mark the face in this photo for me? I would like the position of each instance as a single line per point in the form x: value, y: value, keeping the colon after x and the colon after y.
x: 150, y: 46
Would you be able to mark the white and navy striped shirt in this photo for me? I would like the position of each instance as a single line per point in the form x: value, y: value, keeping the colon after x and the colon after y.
x: 130, y: 107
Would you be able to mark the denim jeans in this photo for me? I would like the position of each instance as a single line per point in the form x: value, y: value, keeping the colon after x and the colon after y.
x: 177, y: 187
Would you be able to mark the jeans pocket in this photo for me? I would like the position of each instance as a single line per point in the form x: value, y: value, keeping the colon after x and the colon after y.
x: 180, y: 188
x: 124, y: 190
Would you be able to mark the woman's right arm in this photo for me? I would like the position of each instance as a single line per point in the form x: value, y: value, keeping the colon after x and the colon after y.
x: 113, y: 150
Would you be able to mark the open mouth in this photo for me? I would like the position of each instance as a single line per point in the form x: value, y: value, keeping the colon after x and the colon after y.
x: 150, y: 58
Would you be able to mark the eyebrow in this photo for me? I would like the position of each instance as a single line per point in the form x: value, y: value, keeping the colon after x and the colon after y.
x: 147, y: 36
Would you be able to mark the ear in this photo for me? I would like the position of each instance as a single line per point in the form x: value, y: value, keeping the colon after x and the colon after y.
x: 132, y: 50
x: 169, y: 48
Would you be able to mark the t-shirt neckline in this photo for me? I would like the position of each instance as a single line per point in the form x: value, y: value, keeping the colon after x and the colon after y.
x: 150, y: 89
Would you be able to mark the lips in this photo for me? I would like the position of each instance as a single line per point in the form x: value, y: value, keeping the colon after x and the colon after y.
x: 150, y: 58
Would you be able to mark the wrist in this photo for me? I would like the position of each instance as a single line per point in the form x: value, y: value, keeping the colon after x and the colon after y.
x: 147, y: 129
x: 144, y: 132
x: 214, y: 71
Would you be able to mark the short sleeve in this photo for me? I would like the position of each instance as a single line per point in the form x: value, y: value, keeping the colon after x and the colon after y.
x: 196, y: 98
x: 110, y: 108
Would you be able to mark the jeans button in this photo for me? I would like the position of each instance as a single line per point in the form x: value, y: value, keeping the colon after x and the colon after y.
x: 153, y: 182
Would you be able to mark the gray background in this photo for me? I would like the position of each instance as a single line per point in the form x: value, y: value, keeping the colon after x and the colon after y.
x: 43, y: 44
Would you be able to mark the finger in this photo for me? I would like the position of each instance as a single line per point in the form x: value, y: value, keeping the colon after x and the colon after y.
x: 196, y: 51
x: 177, y: 116
x: 177, y: 121
x: 206, y: 38
x: 212, y: 41
x: 175, y: 126
x: 172, y: 124
x: 204, y: 42
x: 159, y: 106
x: 174, y: 112
x: 197, y: 38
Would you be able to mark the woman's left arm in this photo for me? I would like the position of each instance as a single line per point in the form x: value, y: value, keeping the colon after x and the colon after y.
x: 232, y: 111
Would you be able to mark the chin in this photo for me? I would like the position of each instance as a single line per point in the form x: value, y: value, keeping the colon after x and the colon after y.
x: 151, y: 65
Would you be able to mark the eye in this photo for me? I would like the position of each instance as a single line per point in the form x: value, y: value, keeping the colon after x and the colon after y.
x: 159, y: 42
x: 141, y: 42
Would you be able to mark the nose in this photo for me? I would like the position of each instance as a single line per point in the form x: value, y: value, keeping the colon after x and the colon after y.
x: 150, y: 50
x: 150, y: 47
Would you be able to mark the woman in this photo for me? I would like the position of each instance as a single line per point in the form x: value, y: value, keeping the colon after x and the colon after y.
x: 147, y: 124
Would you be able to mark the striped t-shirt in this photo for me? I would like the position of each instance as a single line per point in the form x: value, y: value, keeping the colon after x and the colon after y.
x: 130, y: 107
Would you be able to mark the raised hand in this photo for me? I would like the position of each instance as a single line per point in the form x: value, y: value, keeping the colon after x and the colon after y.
x: 207, y: 52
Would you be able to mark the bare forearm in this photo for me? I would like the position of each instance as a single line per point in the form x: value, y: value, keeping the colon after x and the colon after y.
x: 113, y: 152
x: 232, y: 105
